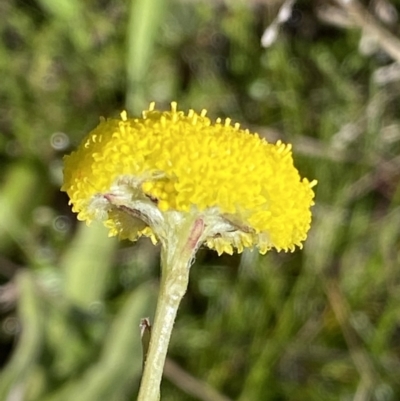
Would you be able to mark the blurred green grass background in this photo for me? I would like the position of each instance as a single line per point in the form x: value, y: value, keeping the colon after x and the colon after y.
x: 319, y: 324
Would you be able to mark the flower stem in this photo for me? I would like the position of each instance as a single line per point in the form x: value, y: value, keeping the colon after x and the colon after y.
x: 175, y: 264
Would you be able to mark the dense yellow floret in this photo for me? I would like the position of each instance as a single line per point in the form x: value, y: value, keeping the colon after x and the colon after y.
x: 184, y: 162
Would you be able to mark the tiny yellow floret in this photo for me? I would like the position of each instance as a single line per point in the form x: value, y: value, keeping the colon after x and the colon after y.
x: 185, y: 163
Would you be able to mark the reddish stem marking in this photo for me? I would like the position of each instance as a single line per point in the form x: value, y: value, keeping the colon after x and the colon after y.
x: 195, y: 234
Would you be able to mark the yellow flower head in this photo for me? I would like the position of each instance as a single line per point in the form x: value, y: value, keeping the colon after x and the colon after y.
x: 141, y: 174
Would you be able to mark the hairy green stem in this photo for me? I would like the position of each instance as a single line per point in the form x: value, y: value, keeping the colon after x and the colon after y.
x: 175, y: 263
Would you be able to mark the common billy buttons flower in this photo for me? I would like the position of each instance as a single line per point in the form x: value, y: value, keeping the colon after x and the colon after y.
x: 142, y: 176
